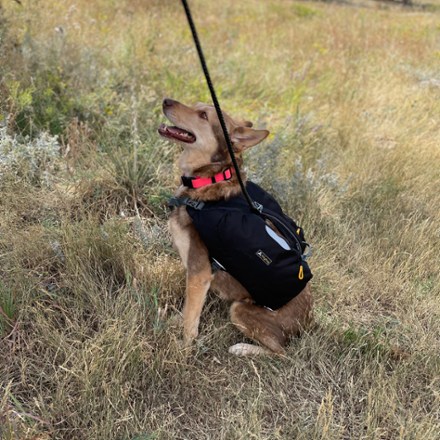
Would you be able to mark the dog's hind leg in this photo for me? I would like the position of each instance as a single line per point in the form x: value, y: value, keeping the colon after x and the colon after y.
x: 297, y: 315
x: 259, y: 324
x: 228, y: 288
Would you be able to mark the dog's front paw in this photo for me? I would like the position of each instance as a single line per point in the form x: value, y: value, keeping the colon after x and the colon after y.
x: 189, y: 335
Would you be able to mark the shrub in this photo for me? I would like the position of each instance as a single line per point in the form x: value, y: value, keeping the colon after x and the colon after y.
x: 34, y: 160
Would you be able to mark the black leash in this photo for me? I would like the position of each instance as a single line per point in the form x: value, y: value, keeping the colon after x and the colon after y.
x: 253, y: 205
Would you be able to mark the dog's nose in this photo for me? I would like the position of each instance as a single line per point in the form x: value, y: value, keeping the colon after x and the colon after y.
x: 167, y: 102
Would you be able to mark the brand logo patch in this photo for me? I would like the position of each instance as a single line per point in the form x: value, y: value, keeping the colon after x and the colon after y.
x: 263, y: 257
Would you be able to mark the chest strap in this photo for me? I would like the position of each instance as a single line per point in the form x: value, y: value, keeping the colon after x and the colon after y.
x: 176, y: 202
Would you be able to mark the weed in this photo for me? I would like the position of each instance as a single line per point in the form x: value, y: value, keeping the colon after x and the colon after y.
x: 91, y: 290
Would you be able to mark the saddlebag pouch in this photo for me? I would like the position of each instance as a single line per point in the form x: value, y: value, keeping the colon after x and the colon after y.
x: 244, y: 243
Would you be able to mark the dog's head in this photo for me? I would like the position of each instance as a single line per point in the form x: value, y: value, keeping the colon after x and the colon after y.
x: 199, y: 131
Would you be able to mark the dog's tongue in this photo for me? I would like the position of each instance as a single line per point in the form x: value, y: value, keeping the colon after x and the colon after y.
x: 176, y: 133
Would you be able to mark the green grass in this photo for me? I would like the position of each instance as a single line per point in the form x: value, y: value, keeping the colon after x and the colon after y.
x: 91, y: 289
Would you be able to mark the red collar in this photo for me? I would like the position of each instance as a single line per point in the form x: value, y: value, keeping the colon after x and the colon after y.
x: 199, y: 182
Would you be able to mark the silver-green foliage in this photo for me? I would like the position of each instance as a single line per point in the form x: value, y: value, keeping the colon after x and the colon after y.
x: 31, y: 159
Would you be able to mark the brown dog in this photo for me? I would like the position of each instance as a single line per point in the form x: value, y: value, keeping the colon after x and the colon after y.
x: 205, y: 154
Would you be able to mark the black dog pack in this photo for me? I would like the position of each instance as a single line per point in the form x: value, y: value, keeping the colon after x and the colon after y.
x: 273, y: 269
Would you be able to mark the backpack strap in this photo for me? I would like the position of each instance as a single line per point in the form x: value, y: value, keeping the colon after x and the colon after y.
x: 285, y: 229
x: 176, y: 202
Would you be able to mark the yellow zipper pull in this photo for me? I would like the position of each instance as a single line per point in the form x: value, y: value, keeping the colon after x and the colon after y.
x: 301, y: 272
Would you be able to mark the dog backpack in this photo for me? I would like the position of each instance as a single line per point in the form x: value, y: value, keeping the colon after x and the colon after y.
x: 273, y: 269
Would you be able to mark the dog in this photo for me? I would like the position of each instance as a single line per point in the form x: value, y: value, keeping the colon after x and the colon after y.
x: 197, y: 129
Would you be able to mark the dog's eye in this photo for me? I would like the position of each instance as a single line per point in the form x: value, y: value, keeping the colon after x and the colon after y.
x: 203, y: 115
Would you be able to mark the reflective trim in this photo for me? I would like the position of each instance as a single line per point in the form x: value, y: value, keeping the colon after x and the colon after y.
x: 280, y: 240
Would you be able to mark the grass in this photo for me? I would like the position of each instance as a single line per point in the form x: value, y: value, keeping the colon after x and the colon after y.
x: 91, y: 288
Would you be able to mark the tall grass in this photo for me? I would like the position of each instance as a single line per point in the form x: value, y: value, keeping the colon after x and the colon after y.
x: 90, y: 288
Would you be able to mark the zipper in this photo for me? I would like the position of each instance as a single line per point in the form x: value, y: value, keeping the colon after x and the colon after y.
x: 286, y: 228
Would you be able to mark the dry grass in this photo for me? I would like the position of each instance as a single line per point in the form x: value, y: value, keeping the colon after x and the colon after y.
x: 90, y: 289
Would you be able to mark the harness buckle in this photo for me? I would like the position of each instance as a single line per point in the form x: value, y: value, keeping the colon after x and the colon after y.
x: 175, y: 202
x: 196, y: 204
x: 258, y: 206
x: 306, y: 255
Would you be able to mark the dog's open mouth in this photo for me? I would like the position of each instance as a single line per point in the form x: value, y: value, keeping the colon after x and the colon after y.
x: 177, y: 133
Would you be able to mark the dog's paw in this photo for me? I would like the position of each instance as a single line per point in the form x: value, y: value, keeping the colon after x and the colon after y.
x: 190, y: 335
x: 243, y: 349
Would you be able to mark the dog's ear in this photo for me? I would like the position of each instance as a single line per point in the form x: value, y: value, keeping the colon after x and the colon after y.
x: 246, y: 137
x: 244, y: 123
